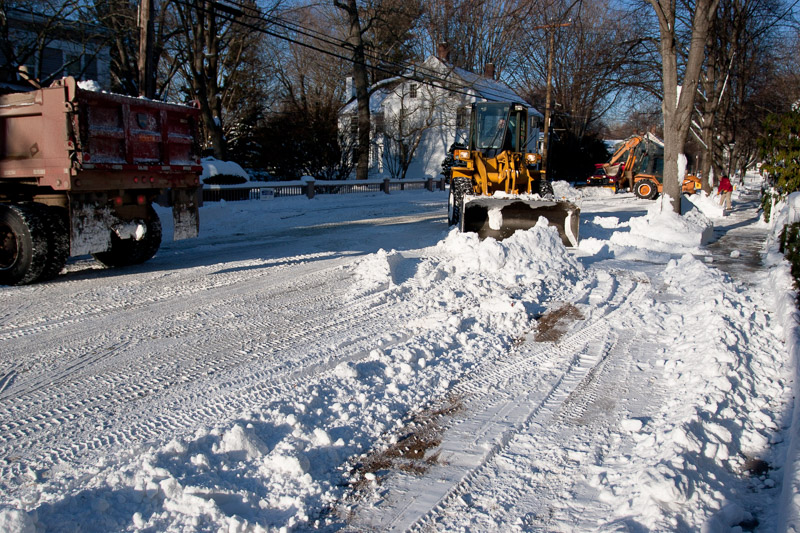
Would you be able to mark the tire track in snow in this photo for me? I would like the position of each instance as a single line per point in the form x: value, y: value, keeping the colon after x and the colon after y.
x: 501, y: 402
x: 32, y: 425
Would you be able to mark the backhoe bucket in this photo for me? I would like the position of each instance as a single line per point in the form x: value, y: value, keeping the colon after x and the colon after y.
x: 501, y: 217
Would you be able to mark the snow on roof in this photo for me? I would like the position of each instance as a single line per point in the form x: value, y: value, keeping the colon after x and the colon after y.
x: 433, y: 68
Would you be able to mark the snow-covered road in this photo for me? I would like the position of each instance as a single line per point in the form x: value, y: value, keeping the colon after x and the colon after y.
x: 347, y: 362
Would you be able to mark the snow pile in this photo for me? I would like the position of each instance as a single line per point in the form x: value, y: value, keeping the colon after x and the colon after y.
x: 596, y: 192
x: 563, y: 190
x: 90, y: 85
x: 707, y: 204
x: 662, y: 230
x: 213, y: 167
x: 786, y: 212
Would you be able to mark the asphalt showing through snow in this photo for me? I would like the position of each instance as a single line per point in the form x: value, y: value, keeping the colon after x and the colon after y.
x: 738, y: 247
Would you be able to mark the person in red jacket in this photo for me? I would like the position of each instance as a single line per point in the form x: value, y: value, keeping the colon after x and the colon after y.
x: 725, y: 189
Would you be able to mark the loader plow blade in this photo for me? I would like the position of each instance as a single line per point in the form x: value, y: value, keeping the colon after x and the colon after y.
x: 500, y: 217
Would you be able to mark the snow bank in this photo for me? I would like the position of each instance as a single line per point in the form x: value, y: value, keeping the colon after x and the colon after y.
x: 708, y: 204
x: 780, y: 279
x: 708, y: 432
x: 213, y: 167
x: 664, y: 231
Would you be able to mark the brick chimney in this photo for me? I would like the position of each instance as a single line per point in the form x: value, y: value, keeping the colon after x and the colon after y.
x: 443, y: 52
x: 488, y: 71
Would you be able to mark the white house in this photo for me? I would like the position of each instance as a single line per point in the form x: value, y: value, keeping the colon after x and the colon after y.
x: 415, y: 117
x: 70, y: 48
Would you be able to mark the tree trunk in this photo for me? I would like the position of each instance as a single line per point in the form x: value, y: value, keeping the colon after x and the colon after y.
x: 356, y: 41
x: 677, y: 108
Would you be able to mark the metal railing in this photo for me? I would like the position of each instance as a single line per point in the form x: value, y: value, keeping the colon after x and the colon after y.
x: 310, y: 188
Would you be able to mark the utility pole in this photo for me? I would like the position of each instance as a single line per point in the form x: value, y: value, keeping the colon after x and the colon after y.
x: 147, y: 78
x: 548, y: 101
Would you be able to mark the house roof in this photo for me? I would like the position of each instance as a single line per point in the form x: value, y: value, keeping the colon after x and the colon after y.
x: 483, y: 89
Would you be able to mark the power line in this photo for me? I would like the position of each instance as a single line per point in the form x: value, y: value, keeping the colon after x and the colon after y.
x: 434, y: 77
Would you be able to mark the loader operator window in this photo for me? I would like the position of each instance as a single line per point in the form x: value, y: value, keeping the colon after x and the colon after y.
x: 496, y: 129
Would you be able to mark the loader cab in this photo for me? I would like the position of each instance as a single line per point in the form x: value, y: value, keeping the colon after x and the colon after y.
x: 496, y: 127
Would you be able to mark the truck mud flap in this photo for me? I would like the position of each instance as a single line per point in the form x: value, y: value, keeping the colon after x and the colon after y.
x: 499, y: 218
x: 89, y: 228
x: 185, y: 214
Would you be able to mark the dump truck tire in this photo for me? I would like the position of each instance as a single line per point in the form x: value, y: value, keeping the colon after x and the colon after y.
x: 455, y: 200
x: 23, y: 244
x: 645, y: 189
x: 125, y: 252
x: 57, y: 241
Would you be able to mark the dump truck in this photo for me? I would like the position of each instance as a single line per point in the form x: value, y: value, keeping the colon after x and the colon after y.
x: 80, y: 171
x: 496, y: 186
x: 638, y: 162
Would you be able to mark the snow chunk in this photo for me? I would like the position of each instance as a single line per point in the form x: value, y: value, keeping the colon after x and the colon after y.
x: 15, y: 521
x: 286, y: 460
x: 90, y: 85
x: 632, y: 425
x: 237, y: 439
x: 373, y: 272
x: 346, y: 370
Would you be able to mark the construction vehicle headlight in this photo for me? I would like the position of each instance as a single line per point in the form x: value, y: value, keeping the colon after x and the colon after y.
x: 533, y: 159
x: 463, y: 155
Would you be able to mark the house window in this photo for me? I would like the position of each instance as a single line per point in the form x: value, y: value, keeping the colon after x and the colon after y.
x: 379, y: 124
x: 52, y: 63
x: 412, y: 90
x: 354, y: 126
x: 90, y: 73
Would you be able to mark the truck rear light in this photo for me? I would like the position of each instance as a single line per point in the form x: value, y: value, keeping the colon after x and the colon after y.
x: 141, y: 199
x: 152, y: 180
x: 136, y: 179
x: 118, y: 201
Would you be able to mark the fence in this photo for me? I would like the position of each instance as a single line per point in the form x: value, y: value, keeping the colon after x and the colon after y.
x: 274, y: 189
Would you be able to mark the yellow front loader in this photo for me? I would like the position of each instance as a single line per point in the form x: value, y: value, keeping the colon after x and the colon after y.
x: 496, y: 187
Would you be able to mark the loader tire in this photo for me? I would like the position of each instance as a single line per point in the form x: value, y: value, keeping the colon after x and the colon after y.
x: 125, y: 252
x: 455, y: 201
x: 57, y: 241
x: 645, y: 189
x: 23, y: 244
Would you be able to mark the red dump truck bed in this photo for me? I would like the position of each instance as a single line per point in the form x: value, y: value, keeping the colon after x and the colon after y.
x: 68, y: 138
x: 89, y: 165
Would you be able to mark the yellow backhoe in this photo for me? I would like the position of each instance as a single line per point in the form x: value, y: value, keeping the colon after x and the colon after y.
x: 496, y: 187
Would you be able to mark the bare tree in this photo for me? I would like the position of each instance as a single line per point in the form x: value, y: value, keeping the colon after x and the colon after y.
x: 214, y: 45
x: 405, y: 126
x: 121, y: 19
x: 28, y: 29
x: 477, y: 32
x: 738, y: 54
x: 595, y: 60
x: 678, y: 105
